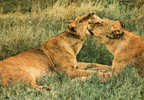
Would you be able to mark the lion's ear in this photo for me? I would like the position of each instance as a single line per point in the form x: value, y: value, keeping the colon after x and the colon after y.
x: 71, y: 27
x: 70, y: 21
x: 122, y: 24
x: 86, y: 17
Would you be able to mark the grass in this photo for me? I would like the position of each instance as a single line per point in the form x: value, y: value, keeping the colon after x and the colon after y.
x: 19, y: 32
x: 128, y: 86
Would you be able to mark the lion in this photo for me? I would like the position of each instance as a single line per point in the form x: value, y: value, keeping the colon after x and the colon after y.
x: 126, y: 47
x: 63, y: 49
x: 57, y: 54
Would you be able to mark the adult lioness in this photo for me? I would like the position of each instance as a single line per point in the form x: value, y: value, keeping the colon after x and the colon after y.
x: 63, y: 49
x: 58, y: 54
x: 126, y: 47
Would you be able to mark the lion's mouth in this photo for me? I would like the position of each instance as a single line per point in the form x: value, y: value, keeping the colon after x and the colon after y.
x: 117, y: 34
x: 90, y: 32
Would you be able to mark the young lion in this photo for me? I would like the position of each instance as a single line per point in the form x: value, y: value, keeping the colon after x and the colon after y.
x: 126, y: 47
x: 63, y: 49
x: 57, y: 54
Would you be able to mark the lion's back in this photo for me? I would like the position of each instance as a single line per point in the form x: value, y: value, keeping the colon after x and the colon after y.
x: 26, y: 65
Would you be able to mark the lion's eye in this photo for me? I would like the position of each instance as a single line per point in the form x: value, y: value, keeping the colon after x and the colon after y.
x: 73, y: 29
x: 98, y: 24
x: 122, y: 24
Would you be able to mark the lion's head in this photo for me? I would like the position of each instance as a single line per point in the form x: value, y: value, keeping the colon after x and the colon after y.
x: 106, y: 29
x: 78, y: 27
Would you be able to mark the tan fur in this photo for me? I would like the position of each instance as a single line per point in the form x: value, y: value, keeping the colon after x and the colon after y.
x: 63, y: 49
x: 126, y: 47
x: 26, y: 66
x: 57, y: 54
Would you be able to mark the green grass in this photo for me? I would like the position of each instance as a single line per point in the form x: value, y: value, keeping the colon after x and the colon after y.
x: 19, y: 32
x: 128, y: 86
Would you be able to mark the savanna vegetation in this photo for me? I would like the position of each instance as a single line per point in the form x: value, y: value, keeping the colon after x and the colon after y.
x: 27, y: 24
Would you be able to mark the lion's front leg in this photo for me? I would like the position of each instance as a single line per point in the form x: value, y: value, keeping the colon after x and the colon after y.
x: 79, y: 73
x: 91, y: 66
x: 85, y: 65
x: 105, y: 74
x: 103, y: 71
x: 116, y: 68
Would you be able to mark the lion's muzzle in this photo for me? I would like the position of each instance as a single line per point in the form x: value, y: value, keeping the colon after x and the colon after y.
x: 117, y: 34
